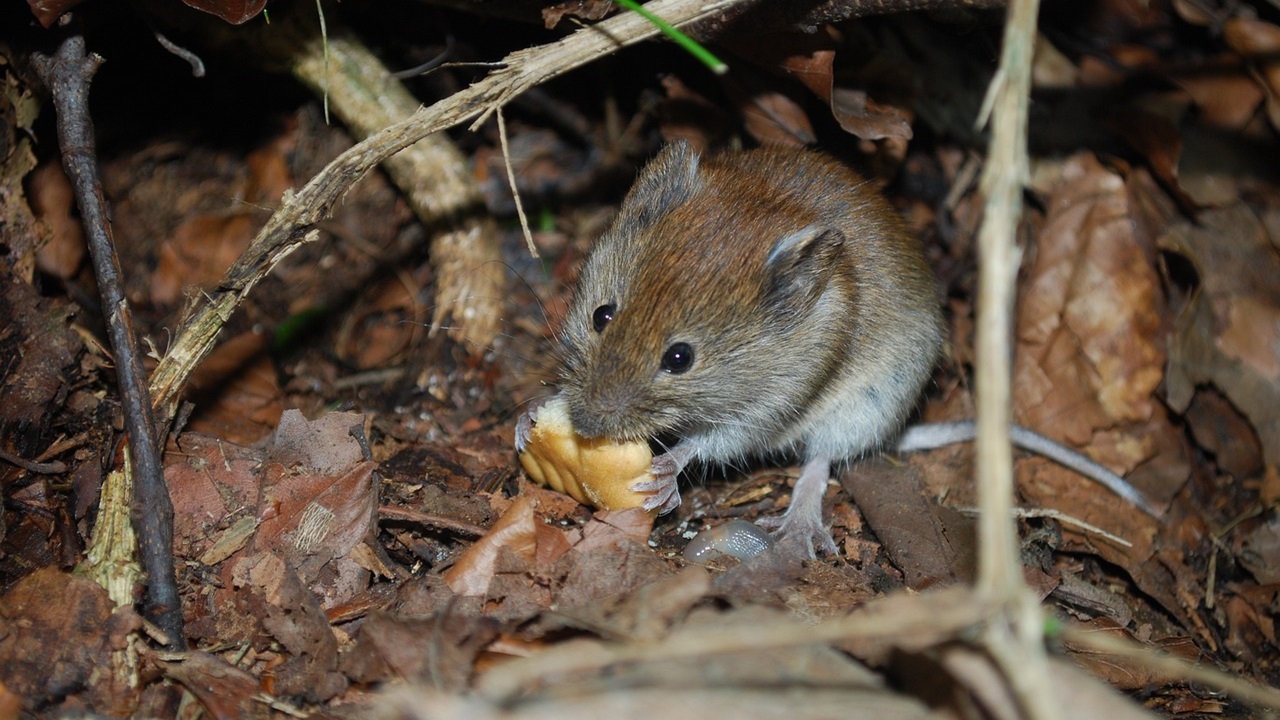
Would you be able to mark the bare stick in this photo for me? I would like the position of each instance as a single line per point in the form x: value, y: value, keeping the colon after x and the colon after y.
x: 68, y: 74
x: 515, y: 191
x: 1014, y: 640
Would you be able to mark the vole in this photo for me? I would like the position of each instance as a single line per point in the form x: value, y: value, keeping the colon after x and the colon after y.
x: 751, y: 304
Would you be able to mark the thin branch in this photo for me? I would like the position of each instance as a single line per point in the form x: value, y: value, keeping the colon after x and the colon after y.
x: 49, y: 468
x: 515, y: 191
x: 68, y: 75
x: 1015, y: 640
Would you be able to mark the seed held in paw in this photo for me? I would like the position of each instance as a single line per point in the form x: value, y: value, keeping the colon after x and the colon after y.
x: 594, y: 471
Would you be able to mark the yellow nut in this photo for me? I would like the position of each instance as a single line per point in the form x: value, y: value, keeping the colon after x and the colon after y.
x: 594, y: 471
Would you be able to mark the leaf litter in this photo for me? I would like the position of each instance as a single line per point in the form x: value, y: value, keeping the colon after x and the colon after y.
x: 327, y: 553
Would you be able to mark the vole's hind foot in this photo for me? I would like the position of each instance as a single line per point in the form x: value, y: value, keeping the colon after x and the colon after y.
x: 800, y: 536
x: 801, y: 525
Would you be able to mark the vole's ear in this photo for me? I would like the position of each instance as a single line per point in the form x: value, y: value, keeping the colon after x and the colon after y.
x: 799, y: 265
x: 668, y: 180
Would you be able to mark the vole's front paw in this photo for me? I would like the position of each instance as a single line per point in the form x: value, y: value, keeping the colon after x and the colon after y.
x: 524, y: 424
x: 666, y: 492
x: 800, y: 534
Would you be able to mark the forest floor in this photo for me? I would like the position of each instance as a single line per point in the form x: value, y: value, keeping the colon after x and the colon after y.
x: 350, y: 515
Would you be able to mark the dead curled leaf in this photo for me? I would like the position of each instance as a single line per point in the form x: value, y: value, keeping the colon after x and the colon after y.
x: 236, y: 12
x: 1260, y: 41
x: 809, y: 59
x: 1089, y: 361
x: 58, y: 634
x: 521, y: 534
x: 515, y: 531
x: 1228, y: 332
x: 1090, y: 348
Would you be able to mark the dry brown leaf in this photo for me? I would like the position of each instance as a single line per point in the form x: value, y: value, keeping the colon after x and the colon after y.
x: 1194, y: 12
x: 773, y: 118
x: 1259, y: 41
x: 199, y: 252
x: 53, y: 202
x: 892, y: 500
x: 225, y: 691
x: 589, y: 10
x: 325, y: 445
x: 312, y: 519
x: 316, y: 520
x: 48, y: 11
x: 439, y: 650
x: 235, y: 390
x: 809, y: 59
x: 516, y: 531
x: 204, y: 244
x: 1090, y: 358
x: 811, y: 65
x: 1227, y: 99
x: 236, y: 12
x: 1220, y: 428
x: 859, y: 115
x: 1119, y: 671
x: 1090, y: 341
x: 291, y: 613
x: 610, y: 528
x: 212, y: 483
x: 60, y: 634
x: 1228, y: 333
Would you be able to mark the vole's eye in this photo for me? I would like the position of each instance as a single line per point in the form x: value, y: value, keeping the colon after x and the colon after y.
x: 678, y: 358
x: 602, y: 316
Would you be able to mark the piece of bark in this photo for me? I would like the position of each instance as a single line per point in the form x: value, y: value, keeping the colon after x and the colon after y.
x: 892, y: 500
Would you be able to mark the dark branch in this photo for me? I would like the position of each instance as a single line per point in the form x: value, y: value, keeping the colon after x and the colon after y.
x: 68, y: 74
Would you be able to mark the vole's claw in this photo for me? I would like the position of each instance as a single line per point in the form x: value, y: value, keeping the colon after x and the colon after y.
x: 666, y: 492
x: 524, y: 430
x: 524, y: 424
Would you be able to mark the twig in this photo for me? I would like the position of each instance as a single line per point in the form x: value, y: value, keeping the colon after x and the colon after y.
x: 432, y: 174
x: 68, y: 74
x: 515, y: 191
x: 399, y: 514
x: 1015, y: 642
x: 924, y: 619
x: 1061, y: 517
x: 197, y: 65
x: 42, y: 468
x: 1003, y: 180
x: 429, y: 65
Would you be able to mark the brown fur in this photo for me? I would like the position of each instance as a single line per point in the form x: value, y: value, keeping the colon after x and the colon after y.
x: 689, y: 260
